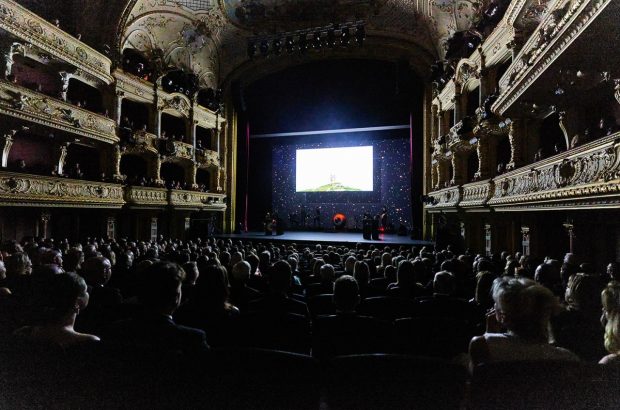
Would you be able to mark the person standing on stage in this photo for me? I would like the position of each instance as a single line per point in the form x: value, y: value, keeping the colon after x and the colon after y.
x: 317, y: 217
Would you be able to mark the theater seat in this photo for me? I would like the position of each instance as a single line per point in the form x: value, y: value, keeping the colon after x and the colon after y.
x: 288, y: 332
x: 383, y: 381
x: 540, y: 385
x: 387, y: 308
x: 321, y: 305
x: 436, y: 337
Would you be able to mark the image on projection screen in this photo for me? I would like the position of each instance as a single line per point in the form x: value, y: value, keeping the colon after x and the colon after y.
x: 334, y: 169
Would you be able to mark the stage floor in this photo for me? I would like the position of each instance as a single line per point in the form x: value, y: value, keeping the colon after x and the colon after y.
x: 326, y: 237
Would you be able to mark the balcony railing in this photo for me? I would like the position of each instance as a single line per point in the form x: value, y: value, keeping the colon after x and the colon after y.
x: 34, y: 190
x: 23, y: 103
x: 554, y: 35
x: 197, y: 200
x: 29, y: 27
x: 146, y: 197
x: 207, y: 158
x: 585, y: 176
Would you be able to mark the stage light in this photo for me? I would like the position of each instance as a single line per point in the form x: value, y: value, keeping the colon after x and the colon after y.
x: 264, y: 48
x: 290, y: 44
x: 251, y: 50
x: 345, y: 36
x: 331, y: 38
x: 302, y: 43
x: 277, y: 46
x: 360, y: 34
x: 317, y: 43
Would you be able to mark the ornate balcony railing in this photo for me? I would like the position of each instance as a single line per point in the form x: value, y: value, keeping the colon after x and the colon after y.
x: 23, y: 103
x: 554, y: 35
x: 476, y: 194
x: 445, y: 198
x: 585, y: 176
x: 146, y: 197
x: 34, y: 190
x: 592, y: 170
x: 207, y: 158
x: 197, y: 200
x: 183, y: 150
x: 134, y: 87
x: 29, y: 27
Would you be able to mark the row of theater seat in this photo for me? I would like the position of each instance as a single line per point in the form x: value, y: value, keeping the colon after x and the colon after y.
x: 267, y: 379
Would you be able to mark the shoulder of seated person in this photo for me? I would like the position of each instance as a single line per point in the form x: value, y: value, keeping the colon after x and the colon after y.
x: 612, y: 358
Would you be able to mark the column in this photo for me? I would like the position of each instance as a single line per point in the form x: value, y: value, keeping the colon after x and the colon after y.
x: 62, y: 157
x: 488, y: 240
x: 111, y: 227
x: 65, y: 77
x: 14, y: 48
x: 434, y: 171
x: 45, y: 219
x: 157, y: 170
x: 570, y: 230
x: 517, y: 139
x: 117, y: 112
x: 6, y: 142
x: 525, y: 240
x: 116, y: 163
x: 459, y: 167
x: 486, y: 157
x: 442, y: 173
x: 458, y: 107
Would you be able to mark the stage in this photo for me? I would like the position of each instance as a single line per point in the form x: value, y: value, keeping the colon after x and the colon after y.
x: 330, y: 238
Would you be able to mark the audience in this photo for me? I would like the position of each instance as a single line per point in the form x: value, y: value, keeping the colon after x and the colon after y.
x: 184, y: 297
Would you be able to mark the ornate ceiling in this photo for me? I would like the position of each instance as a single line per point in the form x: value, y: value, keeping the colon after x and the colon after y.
x: 209, y: 37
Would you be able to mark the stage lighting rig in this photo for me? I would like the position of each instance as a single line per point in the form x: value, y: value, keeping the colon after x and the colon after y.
x: 316, y: 38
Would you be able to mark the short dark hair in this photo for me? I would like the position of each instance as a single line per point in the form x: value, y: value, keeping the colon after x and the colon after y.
x: 280, y: 276
x: 346, y: 293
x: 160, y: 283
x: 61, y: 295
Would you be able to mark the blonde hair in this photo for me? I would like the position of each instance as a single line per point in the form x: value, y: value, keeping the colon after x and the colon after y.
x: 612, y: 332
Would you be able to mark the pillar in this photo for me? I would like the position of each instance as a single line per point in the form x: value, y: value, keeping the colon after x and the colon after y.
x: 6, y: 142
x: 525, y: 240
x: 486, y: 157
x: 117, y: 108
x: 62, y: 157
x: 517, y: 140
x: 488, y: 237
x: 459, y: 167
x: 45, y: 219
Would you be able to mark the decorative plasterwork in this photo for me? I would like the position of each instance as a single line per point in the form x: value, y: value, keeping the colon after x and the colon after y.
x: 182, y: 150
x: 175, y: 37
x: 554, y: 35
x: 25, y: 104
x: 133, y: 88
x: 197, y: 200
x: 207, y: 159
x: 33, y: 190
x: 144, y: 143
x: 29, y: 27
x: 588, y: 174
x: 146, y: 197
x: 446, y: 198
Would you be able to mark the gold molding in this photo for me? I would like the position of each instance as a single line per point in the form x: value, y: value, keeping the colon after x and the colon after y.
x: 20, y: 102
x: 27, y: 26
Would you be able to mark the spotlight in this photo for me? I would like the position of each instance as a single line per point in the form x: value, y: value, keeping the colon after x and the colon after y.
x: 251, y: 50
x: 345, y: 36
x: 264, y: 48
x: 316, y: 40
x: 360, y: 34
x: 331, y: 38
x: 303, y: 43
x: 290, y: 44
x: 277, y: 46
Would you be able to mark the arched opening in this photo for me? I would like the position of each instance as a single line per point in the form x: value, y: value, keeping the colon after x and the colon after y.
x: 203, y: 138
x: 503, y: 152
x: 32, y: 154
x: 85, y: 96
x: 472, y: 102
x: 82, y: 163
x: 472, y: 165
x: 136, y: 64
x: 134, y: 115
x: 210, y: 98
x: 135, y: 168
x: 173, y: 175
x: 552, y: 138
x: 35, y: 76
x: 203, y: 179
x: 173, y: 127
x: 180, y: 82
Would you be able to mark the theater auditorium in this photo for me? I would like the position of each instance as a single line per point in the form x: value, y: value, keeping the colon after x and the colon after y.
x: 309, y: 204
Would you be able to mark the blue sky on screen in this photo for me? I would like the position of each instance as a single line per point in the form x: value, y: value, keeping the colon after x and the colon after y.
x: 351, y: 167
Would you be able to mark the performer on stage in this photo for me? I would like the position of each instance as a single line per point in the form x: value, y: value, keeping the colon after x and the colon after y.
x: 317, y: 217
x: 383, y: 218
x: 268, y: 223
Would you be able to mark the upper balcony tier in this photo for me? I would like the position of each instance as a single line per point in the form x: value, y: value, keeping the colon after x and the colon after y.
x: 22, y: 103
x: 27, y: 26
x: 35, y: 190
x: 575, y: 34
x: 583, y: 177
